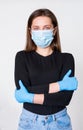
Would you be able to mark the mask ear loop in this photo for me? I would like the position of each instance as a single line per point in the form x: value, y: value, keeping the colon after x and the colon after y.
x: 54, y: 33
x: 55, y: 30
x: 29, y: 30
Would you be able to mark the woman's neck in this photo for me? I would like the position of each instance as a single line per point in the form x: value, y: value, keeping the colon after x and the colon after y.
x: 44, y: 51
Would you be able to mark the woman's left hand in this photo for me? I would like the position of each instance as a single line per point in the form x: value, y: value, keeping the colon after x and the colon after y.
x: 68, y: 83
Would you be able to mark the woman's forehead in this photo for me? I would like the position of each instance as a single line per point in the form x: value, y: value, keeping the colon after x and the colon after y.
x: 41, y: 20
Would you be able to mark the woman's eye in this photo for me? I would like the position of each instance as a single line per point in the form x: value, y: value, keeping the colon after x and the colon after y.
x: 35, y: 28
x: 41, y: 28
x: 47, y: 28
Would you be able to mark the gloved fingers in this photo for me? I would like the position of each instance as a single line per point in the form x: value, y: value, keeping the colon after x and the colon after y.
x: 17, y: 95
x: 17, y: 92
x: 22, y: 87
x: 68, y: 73
x: 72, y: 78
x: 21, y: 84
x: 76, y: 83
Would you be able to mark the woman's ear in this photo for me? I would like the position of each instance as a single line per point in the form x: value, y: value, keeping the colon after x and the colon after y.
x: 55, y: 30
x: 29, y: 30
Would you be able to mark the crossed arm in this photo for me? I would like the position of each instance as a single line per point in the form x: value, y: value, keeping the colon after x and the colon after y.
x: 68, y: 83
x: 52, y: 94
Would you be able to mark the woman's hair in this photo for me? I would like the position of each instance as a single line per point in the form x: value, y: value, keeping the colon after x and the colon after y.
x: 42, y: 12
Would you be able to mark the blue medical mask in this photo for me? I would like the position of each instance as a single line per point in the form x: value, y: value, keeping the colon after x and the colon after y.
x: 42, y: 38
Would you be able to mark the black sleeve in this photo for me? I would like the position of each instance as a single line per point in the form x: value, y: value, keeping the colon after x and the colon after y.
x: 62, y: 98
x: 21, y: 73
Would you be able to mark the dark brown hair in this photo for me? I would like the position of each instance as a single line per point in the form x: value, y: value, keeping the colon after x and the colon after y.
x: 42, y: 12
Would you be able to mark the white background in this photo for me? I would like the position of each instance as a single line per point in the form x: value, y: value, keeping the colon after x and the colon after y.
x: 13, y: 20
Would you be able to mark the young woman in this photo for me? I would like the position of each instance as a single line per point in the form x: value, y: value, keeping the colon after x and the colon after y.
x: 44, y: 76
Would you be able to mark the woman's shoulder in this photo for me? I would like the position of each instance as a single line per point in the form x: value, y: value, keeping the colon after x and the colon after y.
x: 19, y: 54
x: 22, y: 53
x: 65, y: 55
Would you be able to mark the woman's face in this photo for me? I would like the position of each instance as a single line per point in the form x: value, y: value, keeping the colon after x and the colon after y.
x: 42, y: 39
x: 42, y: 23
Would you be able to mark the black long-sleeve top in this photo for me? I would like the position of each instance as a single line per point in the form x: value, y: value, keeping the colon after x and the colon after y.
x: 37, y: 71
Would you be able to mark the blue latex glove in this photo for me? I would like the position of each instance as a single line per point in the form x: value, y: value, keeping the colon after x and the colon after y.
x: 22, y: 95
x: 68, y: 83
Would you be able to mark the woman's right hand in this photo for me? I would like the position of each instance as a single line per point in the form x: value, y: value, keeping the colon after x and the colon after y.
x: 22, y: 95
